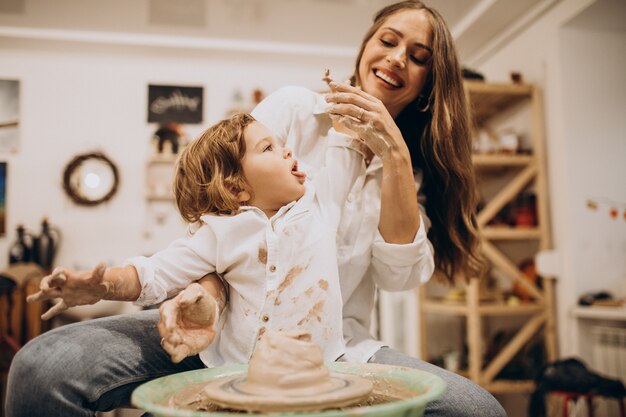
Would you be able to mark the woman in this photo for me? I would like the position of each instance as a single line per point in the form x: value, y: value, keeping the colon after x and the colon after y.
x: 411, y: 101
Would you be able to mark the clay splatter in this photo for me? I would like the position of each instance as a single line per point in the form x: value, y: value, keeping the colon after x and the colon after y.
x: 323, y: 284
x: 291, y: 275
x: 261, y: 332
x: 262, y: 255
x: 314, y: 312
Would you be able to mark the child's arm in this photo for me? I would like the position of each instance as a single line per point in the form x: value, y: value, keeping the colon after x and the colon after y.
x: 188, y: 321
x: 76, y: 288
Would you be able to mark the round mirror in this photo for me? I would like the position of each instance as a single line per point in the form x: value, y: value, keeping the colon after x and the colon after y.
x: 90, y: 179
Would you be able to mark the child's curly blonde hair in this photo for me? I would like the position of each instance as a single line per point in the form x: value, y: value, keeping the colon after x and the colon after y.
x: 209, y: 174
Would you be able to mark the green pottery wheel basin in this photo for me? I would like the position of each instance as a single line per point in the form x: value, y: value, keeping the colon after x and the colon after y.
x: 398, y: 391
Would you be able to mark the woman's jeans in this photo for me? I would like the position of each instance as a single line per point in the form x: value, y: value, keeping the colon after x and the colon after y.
x: 81, y: 368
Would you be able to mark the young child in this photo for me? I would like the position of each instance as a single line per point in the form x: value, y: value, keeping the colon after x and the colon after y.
x: 257, y: 222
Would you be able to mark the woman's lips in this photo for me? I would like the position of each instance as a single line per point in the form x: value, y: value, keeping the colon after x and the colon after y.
x: 387, y: 78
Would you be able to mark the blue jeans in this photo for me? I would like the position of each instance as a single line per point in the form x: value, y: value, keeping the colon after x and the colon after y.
x: 94, y: 365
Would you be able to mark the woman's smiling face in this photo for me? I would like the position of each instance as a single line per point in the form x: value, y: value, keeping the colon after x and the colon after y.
x: 397, y: 59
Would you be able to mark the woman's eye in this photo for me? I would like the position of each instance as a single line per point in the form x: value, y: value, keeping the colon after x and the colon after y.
x: 420, y: 59
x: 386, y: 43
x: 267, y: 148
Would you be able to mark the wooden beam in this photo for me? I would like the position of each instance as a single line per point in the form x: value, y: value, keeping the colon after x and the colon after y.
x: 550, y: 332
x: 501, y: 261
x: 543, y: 214
x: 510, y: 191
x: 474, y: 330
x: 506, y: 354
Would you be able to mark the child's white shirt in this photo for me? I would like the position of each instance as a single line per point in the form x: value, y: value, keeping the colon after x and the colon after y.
x: 282, y: 272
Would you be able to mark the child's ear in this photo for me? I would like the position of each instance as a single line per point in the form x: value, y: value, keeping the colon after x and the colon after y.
x: 242, y: 196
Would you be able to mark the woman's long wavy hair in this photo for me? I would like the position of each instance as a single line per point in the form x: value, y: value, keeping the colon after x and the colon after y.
x: 209, y: 174
x: 439, y: 141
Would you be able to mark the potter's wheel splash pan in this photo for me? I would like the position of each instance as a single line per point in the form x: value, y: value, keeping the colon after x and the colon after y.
x: 409, y: 390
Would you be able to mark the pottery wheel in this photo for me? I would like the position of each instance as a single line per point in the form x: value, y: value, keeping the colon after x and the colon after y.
x: 341, y: 390
x: 287, y: 373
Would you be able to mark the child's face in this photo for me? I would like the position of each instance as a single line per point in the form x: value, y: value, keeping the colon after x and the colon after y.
x: 271, y: 172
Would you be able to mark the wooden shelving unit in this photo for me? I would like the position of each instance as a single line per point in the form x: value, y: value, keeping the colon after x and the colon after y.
x: 488, y: 101
x: 159, y: 177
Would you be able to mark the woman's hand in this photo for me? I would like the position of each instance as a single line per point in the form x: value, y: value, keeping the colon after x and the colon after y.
x: 74, y: 288
x: 368, y: 117
x: 187, y: 322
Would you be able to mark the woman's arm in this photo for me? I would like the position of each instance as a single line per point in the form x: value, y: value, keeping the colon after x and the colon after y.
x: 369, y: 118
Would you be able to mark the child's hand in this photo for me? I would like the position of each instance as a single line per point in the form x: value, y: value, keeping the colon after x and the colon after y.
x: 187, y: 322
x: 74, y: 288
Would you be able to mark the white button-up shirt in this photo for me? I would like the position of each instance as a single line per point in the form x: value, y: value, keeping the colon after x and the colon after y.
x: 297, y: 117
x: 282, y: 272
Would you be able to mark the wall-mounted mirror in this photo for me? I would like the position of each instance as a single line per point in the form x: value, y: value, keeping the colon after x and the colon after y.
x: 90, y: 179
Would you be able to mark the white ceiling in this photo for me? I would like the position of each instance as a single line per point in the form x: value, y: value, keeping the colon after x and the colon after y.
x: 476, y: 24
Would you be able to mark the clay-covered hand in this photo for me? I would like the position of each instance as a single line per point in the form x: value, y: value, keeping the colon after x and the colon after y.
x: 367, y: 116
x: 74, y: 288
x: 187, y: 322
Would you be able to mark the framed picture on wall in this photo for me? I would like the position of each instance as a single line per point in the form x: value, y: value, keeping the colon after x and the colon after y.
x: 168, y: 103
x: 9, y: 115
x: 3, y: 200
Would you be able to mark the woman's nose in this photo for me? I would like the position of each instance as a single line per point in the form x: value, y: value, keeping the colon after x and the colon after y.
x: 286, y: 153
x: 397, y: 58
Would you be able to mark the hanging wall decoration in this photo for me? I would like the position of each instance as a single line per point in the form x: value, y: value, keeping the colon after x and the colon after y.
x: 167, y: 103
x: 9, y: 115
x: 613, y: 208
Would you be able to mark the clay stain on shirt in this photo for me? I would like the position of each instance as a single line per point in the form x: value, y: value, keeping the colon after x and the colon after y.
x: 261, y: 332
x: 291, y: 275
x: 323, y: 284
x: 262, y: 255
x: 314, y: 313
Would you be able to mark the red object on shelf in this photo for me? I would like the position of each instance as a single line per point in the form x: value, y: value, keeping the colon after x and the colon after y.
x: 575, y: 396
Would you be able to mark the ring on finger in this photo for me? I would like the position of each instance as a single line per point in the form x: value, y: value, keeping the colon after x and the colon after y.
x: 361, y: 111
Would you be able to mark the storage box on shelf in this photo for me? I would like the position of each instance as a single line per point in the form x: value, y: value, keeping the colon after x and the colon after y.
x: 513, y: 173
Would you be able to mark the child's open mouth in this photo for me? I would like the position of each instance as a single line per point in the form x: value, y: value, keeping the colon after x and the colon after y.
x: 301, y: 176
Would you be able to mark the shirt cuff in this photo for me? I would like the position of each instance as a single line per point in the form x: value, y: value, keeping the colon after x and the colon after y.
x: 405, y: 254
x: 151, y: 291
x: 342, y: 140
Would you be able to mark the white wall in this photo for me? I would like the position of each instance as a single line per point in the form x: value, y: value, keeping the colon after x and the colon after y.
x: 80, y: 97
x: 581, y: 74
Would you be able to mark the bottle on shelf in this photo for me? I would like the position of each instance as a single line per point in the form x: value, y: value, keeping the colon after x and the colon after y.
x: 45, y: 245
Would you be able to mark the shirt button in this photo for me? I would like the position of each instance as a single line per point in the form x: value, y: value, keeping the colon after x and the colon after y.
x: 265, y: 318
x: 272, y: 268
x: 350, y: 198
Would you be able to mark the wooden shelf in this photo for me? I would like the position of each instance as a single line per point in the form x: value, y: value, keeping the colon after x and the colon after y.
x: 510, y: 233
x: 501, y: 160
x: 163, y: 159
x: 486, y: 309
x: 156, y: 197
x: 509, y: 386
x: 600, y: 313
x: 506, y: 176
x: 490, y: 99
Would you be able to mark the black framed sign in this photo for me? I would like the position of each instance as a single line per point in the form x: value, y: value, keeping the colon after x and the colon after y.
x: 169, y: 103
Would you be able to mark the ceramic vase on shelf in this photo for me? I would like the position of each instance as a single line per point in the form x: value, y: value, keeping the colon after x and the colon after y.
x: 45, y: 245
x: 21, y: 250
